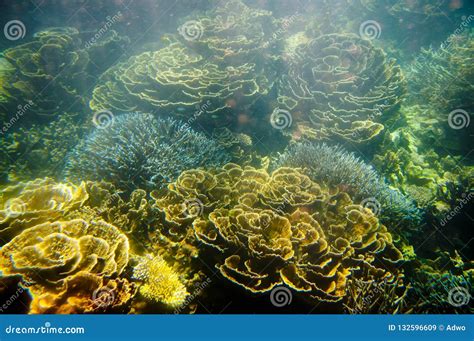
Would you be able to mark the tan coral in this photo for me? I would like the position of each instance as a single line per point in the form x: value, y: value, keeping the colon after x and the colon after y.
x: 37, y: 201
x: 283, y: 228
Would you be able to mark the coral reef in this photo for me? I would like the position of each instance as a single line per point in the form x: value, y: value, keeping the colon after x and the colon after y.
x: 414, y: 158
x: 281, y: 228
x: 40, y: 150
x: 140, y: 151
x: 176, y: 78
x: 49, y: 255
x: 336, y: 167
x: 39, y: 201
x: 53, y: 71
x: 442, y: 285
x: 342, y: 87
x: 160, y: 282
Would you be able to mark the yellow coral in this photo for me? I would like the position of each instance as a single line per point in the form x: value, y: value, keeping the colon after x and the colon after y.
x: 160, y: 282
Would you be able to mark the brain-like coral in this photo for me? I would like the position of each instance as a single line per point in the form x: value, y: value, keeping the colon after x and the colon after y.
x: 344, y: 87
x: 52, y: 71
x: 160, y: 282
x: 176, y: 78
x: 140, y: 151
x: 336, y: 167
x: 281, y: 228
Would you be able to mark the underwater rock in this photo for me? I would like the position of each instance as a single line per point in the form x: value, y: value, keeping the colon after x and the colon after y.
x: 140, y: 151
x: 336, y: 167
x: 340, y: 86
x: 281, y: 228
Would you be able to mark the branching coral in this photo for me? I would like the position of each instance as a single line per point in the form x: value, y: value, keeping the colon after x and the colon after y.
x: 336, y: 167
x: 160, y: 282
x: 139, y: 151
x: 343, y: 85
x: 281, y: 228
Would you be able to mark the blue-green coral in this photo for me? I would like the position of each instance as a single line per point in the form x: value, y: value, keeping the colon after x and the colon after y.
x: 141, y: 151
x: 335, y: 166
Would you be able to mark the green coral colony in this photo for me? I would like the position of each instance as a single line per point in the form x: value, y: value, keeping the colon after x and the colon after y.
x: 147, y: 183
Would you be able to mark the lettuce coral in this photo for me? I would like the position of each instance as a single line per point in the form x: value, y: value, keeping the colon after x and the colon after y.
x: 281, y: 228
x: 336, y: 167
x: 344, y: 87
x: 140, y: 151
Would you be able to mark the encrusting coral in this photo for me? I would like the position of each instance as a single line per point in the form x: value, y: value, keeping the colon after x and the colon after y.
x: 336, y: 167
x: 343, y: 86
x: 281, y: 228
x: 140, y: 151
x: 160, y: 282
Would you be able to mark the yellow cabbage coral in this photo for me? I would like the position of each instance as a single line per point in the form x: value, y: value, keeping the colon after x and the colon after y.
x: 34, y: 202
x: 51, y: 252
x: 160, y: 282
x: 283, y: 228
x: 86, y: 293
